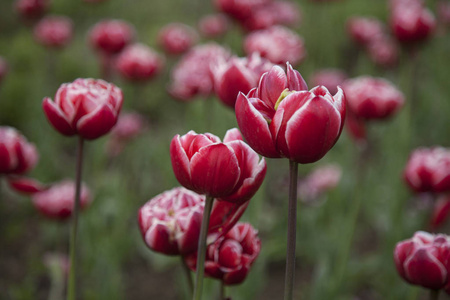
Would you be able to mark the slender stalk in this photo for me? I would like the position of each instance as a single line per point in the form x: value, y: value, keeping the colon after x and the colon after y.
x: 222, y: 291
x: 291, y: 234
x: 434, y: 294
x: 201, y: 254
x: 187, y: 271
x: 71, y: 288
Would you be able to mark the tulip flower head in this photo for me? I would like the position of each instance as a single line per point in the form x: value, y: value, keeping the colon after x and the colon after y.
x: 230, y: 258
x: 212, y: 26
x: 372, y: 98
x: 383, y: 52
x: 31, y: 9
x: 57, y: 201
x: 170, y: 222
x: 428, y: 170
x: 111, y: 36
x: 231, y: 170
x: 17, y: 155
x: 274, y: 13
x: 139, y: 63
x: 364, y: 30
x: 240, y: 10
x: 177, y: 38
x: 277, y: 43
x: 54, y: 31
x: 87, y: 107
x: 281, y: 118
x: 423, y: 260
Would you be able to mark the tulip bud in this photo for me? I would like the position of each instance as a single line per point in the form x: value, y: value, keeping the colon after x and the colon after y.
x: 230, y: 170
x: 412, y: 23
x: 230, y: 258
x: 87, y: 107
x: 428, y: 170
x: 58, y: 200
x: 423, y: 260
x: 238, y: 9
x: 111, y: 36
x: 54, y: 31
x: 17, y: 155
x: 177, y: 38
x: 277, y: 43
x: 274, y: 13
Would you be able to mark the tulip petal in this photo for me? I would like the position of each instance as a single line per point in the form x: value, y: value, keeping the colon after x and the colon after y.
x: 97, y: 123
x: 6, y: 161
x: 180, y: 161
x: 57, y: 118
x: 236, y: 79
x: 233, y: 135
x: 158, y: 239
x: 224, y: 215
x: 424, y: 269
x: 272, y: 84
x: 26, y: 185
x: 295, y: 79
x: 189, y: 241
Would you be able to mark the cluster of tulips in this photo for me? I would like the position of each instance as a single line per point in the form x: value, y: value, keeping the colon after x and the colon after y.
x: 278, y: 116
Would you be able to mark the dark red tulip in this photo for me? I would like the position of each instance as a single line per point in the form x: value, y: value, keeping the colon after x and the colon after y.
x: 212, y: 26
x: 17, y: 155
x: 412, y: 23
x: 170, y: 222
x: 139, y: 62
x: 87, y: 107
x: 239, y: 10
x: 238, y: 75
x: 54, y: 31
x: 231, y: 170
x: 428, y: 170
x: 230, y: 258
x: 372, y: 98
x: 177, y: 38
x: 282, y: 119
x: 364, y: 30
x: 329, y: 78
x: 57, y: 201
x: 192, y: 76
x: 424, y: 260
x: 111, y: 36
x: 277, y: 43
x: 31, y: 9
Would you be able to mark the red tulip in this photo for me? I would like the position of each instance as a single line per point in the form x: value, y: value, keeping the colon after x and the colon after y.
x: 231, y: 170
x: 428, y: 170
x: 412, y: 23
x: 17, y: 155
x: 192, y: 76
x: 111, y: 36
x: 365, y: 30
x: 372, y: 98
x: 230, y: 258
x: 274, y: 13
x: 138, y: 62
x: 424, y: 260
x: 238, y: 75
x: 356, y: 127
x: 329, y: 78
x: 212, y: 26
x: 87, y: 107
x: 177, y: 38
x: 170, y: 222
x: 3, y: 68
x: 239, y: 9
x: 57, y: 201
x: 31, y: 9
x: 441, y: 212
x: 54, y: 31
x: 282, y: 119
x: 277, y: 43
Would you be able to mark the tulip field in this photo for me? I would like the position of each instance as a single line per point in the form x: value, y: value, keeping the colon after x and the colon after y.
x: 224, y: 150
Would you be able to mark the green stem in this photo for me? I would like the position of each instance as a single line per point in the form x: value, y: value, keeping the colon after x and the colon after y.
x: 291, y: 234
x: 222, y: 291
x: 201, y: 254
x: 434, y: 294
x: 187, y: 271
x: 71, y: 288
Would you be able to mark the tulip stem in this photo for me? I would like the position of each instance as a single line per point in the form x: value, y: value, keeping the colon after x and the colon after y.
x: 291, y: 234
x: 201, y: 254
x: 187, y: 271
x: 71, y: 288
x: 434, y: 294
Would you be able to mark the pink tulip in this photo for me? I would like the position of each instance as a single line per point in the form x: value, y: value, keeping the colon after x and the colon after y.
x: 31, y: 9
x: 412, y: 23
x: 424, y: 260
x: 239, y: 10
x: 3, y: 68
x: 282, y: 119
x: 170, y: 222
x: 383, y: 52
x: 364, y: 30
x: 231, y: 170
x: 277, y: 43
x: 54, y: 31
x: 428, y: 170
x: 177, y: 38
x: 238, y: 75
x: 274, y: 13
x: 372, y: 98
x: 87, y: 107
x: 212, y: 26
x: 57, y: 201
x: 111, y: 36
x: 17, y: 155
x: 230, y: 258
x: 192, y: 76
x: 139, y: 63
x: 329, y: 78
